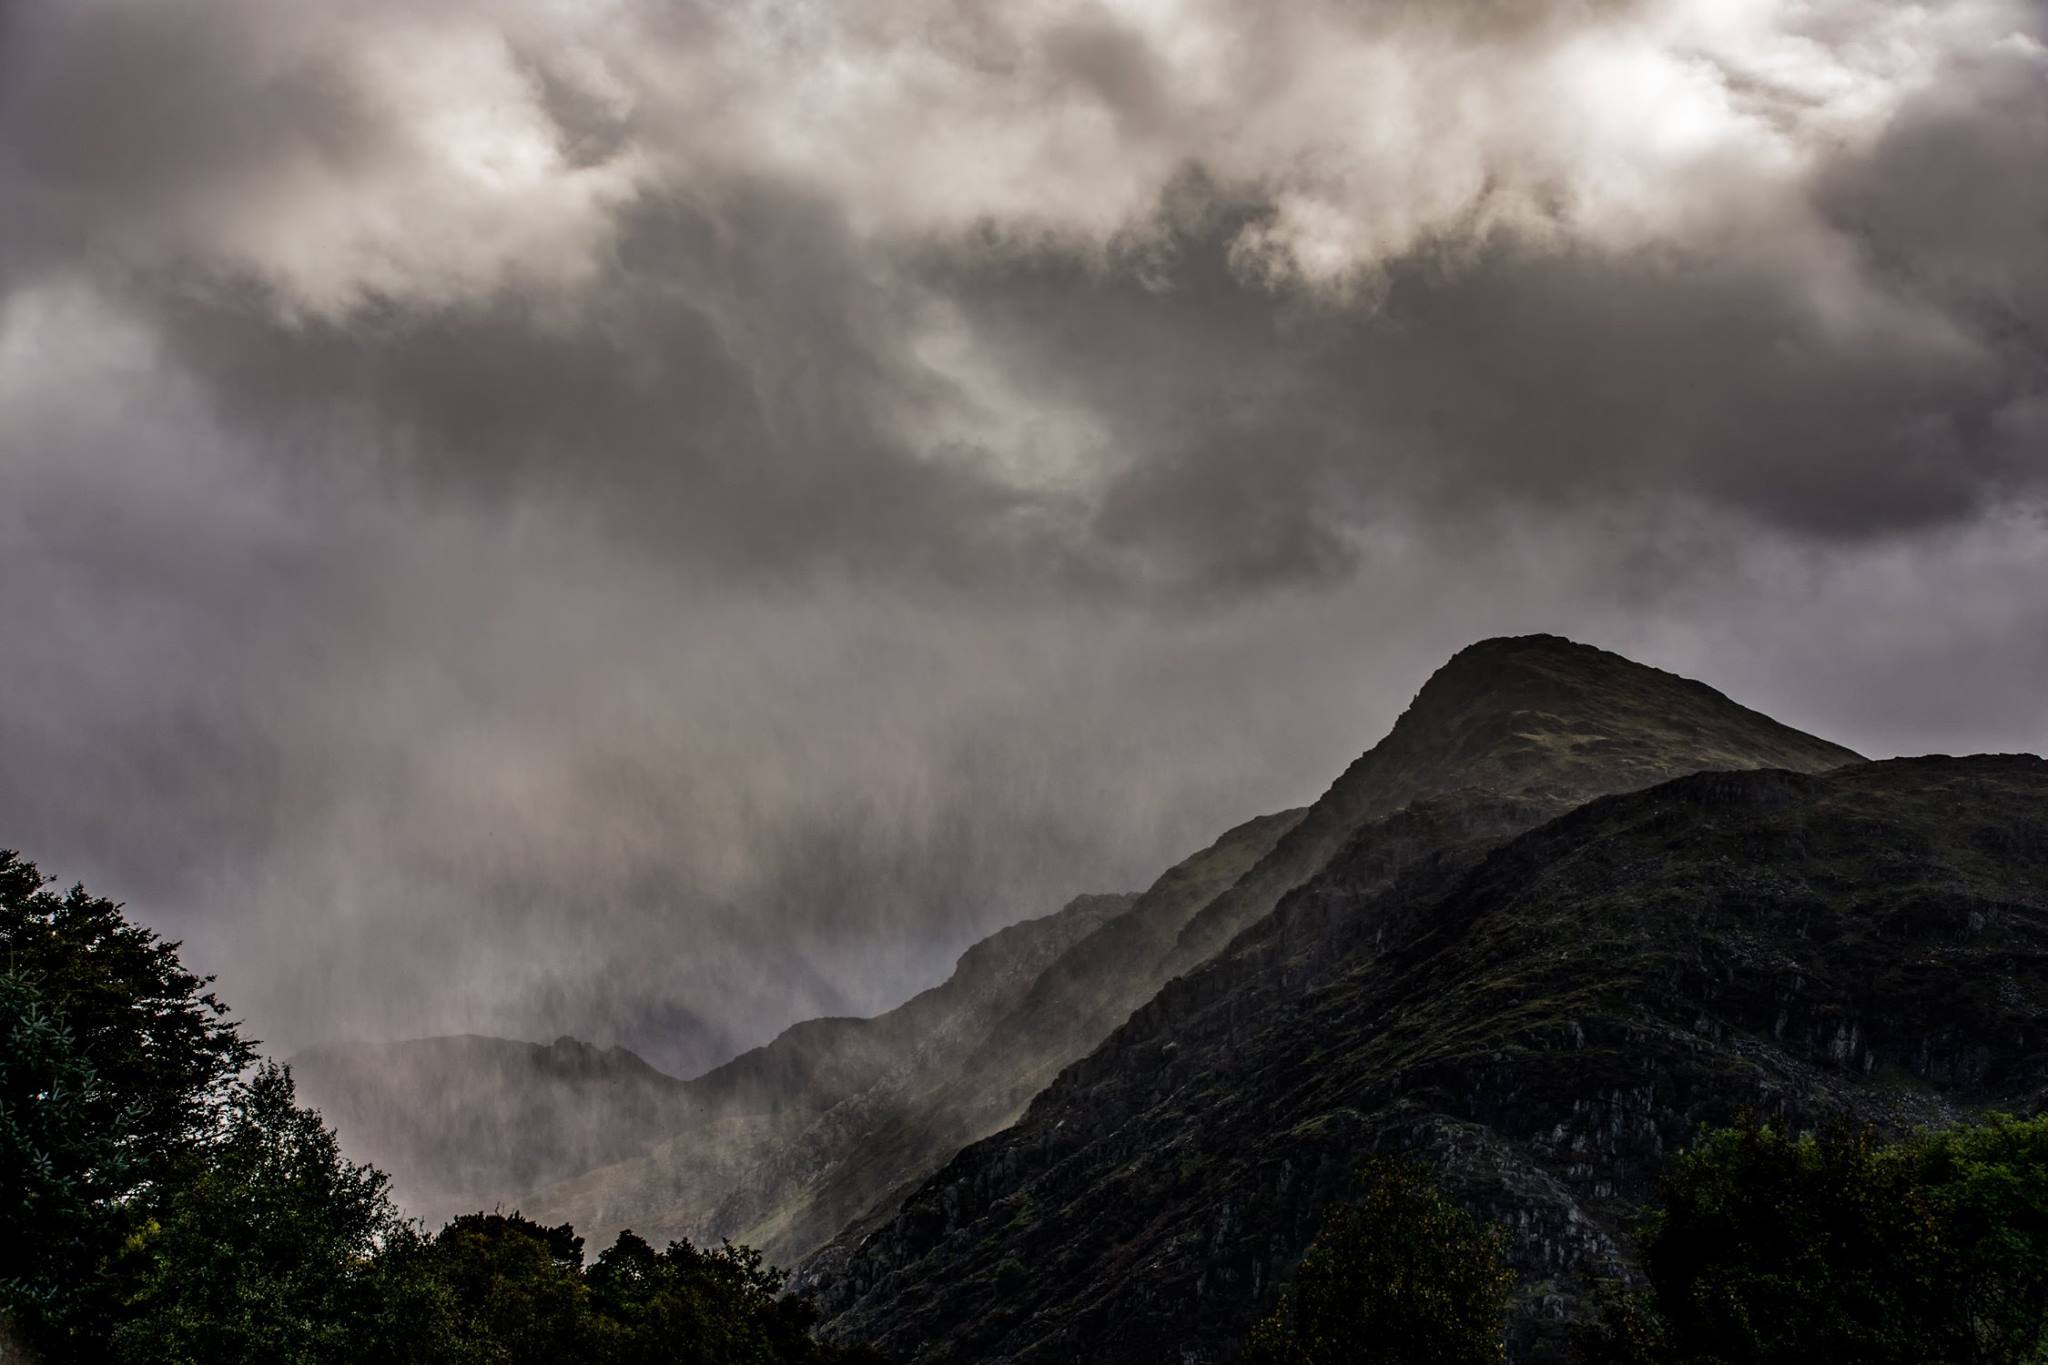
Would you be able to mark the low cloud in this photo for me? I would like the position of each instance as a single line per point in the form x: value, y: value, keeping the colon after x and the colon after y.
x: 654, y: 521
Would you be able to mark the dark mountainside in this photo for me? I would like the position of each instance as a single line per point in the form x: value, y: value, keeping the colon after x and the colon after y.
x: 1159, y: 1186
x: 835, y: 1120
x: 1501, y: 717
x: 1537, y: 717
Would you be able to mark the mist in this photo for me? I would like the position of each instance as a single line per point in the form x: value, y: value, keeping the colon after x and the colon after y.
x: 657, y: 522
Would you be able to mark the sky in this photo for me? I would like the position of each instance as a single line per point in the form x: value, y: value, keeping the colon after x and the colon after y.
x: 658, y: 520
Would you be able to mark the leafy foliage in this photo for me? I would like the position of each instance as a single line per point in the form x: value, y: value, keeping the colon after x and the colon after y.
x: 1771, y: 1248
x: 173, y: 1206
x: 503, y: 1288
x: 116, y: 1065
x: 262, y: 1249
x: 1402, y: 1275
x: 161, y: 1044
x: 63, y: 1169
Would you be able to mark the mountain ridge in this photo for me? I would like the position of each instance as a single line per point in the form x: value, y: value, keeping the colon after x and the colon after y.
x: 468, y: 1121
x: 1509, y: 734
x: 1482, y: 720
x: 812, y: 1172
x: 1150, y: 1097
x: 1541, y: 1021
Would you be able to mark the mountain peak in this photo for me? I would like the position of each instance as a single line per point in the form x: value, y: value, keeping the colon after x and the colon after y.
x: 1516, y: 664
x: 1540, y: 1017
x: 1535, y: 641
x: 1547, y: 715
x: 1538, y: 719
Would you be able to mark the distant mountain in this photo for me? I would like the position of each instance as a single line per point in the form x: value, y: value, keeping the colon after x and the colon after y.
x: 850, y: 1112
x: 813, y: 1065
x: 463, y: 1122
x: 1161, y: 1185
x: 471, y: 1122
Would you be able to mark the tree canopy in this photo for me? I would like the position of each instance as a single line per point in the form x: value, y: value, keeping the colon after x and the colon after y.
x: 1768, y: 1247
x: 1401, y: 1276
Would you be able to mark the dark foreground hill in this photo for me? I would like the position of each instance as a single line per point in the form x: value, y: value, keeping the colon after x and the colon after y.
x: 1508, y: 734
x: 1540, y: 1018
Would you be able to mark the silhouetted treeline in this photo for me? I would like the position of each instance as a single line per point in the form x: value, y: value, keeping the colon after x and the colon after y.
x: 1401, y: 1274
x: 163, y: 1199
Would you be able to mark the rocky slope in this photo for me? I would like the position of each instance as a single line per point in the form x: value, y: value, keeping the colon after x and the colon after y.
x: 1144, y: 1206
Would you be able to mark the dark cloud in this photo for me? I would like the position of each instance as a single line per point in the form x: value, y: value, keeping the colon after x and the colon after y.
x: 659, y: 525
x: 1946, y: 211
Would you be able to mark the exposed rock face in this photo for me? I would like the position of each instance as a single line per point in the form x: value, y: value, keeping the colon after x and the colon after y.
x: 462, y: 1123
x: 1435, y: 979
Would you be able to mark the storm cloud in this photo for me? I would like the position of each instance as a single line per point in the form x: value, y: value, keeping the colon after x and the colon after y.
x: 658, y: 520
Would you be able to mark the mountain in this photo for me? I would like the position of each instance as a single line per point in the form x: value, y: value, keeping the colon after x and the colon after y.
x: 1570, y: 909
x: 786, y: 1176
x: 1539, y: 717
x: 462, y: 1122
x: 471, y: 1122
x: 1488, y: 944
x: 1507, y: 715
x: 813, y: 1065
x: 829, y: 1125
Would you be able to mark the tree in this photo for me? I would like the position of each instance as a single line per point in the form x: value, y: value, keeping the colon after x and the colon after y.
x: 1401, y: 1276
x: 689, y: 1306
x: 1767, y: 1247
x: 263, y: 1251
x: 116, y: 1060
x: 161, y: 1044
x: 64, y: 1170
x: 518, y: 1289
x: 513, y: 1282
